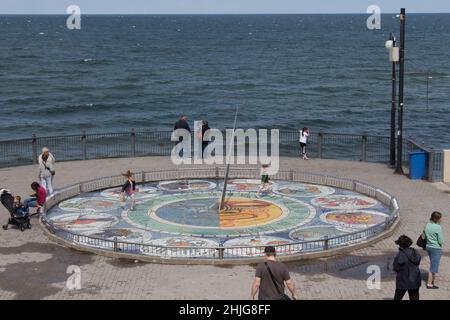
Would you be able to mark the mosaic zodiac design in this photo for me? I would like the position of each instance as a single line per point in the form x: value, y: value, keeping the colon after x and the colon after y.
x: 186, y: 185
x: 352, y: 220
x: 203, y: 212
x: 344, y: 202
x: 122, y: 234
x: 191, y: 214
x: 243, y: 184
x: 259, y: 243
x: 84, y: 223
x: 84, y: 205
x: 240, y: 212
x: 303, y: 190
x: 251, y: 185
x: 314, y: 233
x: 145, y: 192
x: 173, y: 247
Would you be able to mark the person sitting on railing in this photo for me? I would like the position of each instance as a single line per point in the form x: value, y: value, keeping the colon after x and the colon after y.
x: 37, y: 199
x: 128, y: 190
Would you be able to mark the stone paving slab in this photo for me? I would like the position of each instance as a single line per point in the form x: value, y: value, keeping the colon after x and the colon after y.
x: 32, y: 267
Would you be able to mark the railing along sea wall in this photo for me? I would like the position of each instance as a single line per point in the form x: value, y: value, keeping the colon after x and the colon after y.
x: 140, y: 143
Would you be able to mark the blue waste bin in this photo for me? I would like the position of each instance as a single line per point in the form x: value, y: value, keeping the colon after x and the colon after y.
x: 418, y: 164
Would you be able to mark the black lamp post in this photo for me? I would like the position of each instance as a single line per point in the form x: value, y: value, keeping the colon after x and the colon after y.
x: 401, y: 84
x: 393, y: 57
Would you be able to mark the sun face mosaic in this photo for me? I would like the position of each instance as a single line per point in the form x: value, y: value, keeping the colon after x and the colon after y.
x: 185, y: 213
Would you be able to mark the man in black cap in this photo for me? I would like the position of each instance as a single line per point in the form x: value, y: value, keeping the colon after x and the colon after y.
x: 406, y: 264
x: 271, y: 277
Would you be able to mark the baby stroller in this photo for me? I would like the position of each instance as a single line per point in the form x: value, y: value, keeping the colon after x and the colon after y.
x: 21, y: 221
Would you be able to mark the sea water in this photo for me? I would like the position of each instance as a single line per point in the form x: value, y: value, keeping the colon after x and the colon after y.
x: 326, y: 72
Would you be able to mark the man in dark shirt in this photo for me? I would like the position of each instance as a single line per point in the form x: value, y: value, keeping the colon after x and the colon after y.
x: 263, y: 281
x: 205, y: 127
x: 182, y: 124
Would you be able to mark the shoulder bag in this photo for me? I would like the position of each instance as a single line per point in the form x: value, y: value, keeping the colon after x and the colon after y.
x: 422, y: 241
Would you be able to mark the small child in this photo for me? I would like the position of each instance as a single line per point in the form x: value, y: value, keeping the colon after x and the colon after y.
x: 128, y: 190
x: 19, y: 209
x: 266, y: 184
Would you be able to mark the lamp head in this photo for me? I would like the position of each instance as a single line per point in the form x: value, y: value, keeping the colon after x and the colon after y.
x: 389, y: 44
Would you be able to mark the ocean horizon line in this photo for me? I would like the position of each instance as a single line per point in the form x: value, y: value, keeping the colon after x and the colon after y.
x: 218, y: 14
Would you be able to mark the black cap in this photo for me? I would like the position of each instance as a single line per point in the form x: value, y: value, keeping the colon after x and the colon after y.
x: 269, y: 249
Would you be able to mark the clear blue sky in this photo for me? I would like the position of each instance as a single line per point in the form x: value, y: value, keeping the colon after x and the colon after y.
x: 218, y: 6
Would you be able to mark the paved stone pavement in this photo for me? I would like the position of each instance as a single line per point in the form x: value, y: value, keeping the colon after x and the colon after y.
x: 32, y: 267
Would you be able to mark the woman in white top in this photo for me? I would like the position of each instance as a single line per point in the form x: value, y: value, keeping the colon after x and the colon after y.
x: 304, y: 133
x: 46, y: 170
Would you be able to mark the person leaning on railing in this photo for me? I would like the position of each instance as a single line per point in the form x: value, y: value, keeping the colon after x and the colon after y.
x: 205, y: 127
x: 304, y: 134
x: 182, y: 123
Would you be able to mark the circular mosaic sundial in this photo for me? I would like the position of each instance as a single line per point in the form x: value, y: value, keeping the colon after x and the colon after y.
x: 184, y: 214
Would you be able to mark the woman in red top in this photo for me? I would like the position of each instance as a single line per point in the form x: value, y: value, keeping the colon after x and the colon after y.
x: 37, y: 199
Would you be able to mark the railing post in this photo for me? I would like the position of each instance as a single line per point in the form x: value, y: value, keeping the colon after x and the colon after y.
x: 364, y: 148
x: 217, y: 172
x: 386, y: 223
x: 143, y: 177
x: 325, y: 243
x: 221, y: 251
x: 319, y: 144
x: 84, y: 145
x: 34, y: 149
x: 115, y: 244
x: 430, y: 175
x: 133, y: 143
